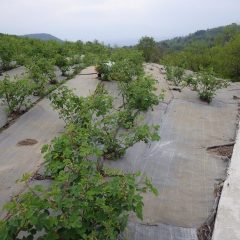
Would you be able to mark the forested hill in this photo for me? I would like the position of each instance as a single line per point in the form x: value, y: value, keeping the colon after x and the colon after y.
x: 216, y: 48
x: 43, y: 36
x: 209, y: 37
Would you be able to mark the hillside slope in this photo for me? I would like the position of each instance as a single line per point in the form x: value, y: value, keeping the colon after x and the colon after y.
x: 43, y: 36
x: 208, y: 37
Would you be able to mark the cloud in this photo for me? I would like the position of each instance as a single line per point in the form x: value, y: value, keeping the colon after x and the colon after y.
x: 115, y: 21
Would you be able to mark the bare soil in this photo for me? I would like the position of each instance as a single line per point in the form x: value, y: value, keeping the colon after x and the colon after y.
x: 224, y: 151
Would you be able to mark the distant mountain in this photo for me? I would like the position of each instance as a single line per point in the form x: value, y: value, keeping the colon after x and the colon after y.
x: 43, y: 36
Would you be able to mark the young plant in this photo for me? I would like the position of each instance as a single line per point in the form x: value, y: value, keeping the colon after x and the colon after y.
x: 174, y: 74
x: 114, y: 142
x: 41, y: 71
x: 76, y: 144
x: 63, y: 63
x: 104, y: 70
x: 123, y: 65
x: 7, y: 53
x: 208, y: 84
x: 80, y: 110
x: 190, y: 80
x: 140, y: 93
x: 178, y: 74
x: 95, y: 115
x: 125, y: 71
x: 15, y: 93
x: 169, y: 72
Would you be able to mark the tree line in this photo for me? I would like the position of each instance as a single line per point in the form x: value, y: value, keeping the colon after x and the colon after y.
x: 215, y: 48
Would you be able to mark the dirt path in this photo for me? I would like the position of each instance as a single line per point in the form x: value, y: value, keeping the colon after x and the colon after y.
x: 42, y: 124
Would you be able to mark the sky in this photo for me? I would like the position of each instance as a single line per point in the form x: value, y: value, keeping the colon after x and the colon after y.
x: 120, y: 22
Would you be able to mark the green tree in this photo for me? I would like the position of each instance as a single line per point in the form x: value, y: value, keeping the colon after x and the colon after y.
x: 228, y: 59
x: 149, y: 48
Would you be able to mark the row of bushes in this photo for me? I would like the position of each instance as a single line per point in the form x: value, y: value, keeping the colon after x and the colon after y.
x: 23, y: 51
x: 17, y: 93
x: 40, y: 59
x: 86, y: 199
x: 204, y: 81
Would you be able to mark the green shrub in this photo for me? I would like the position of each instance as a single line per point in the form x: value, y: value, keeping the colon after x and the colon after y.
x: 140, y: 94
x: 7, y: 53
x: 134, y: 56
x: 115, y: 143
x: 175, y: 74
x: 123, y: 65
x: 125, y: 71
x: 169, y: 72
x: 190, y: 80
x: 95, y: 115
x: 208, y: 84
x: 81, y: 203
x: 80, y: 110
x: 63, y: 63
x: 41, y: 71
x: 104, y: 69
x: 16, y: 93
x: 85, y: 199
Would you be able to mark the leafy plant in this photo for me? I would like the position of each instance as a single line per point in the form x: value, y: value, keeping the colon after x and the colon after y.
x: 94, y: 114
x: 115, y: 142
x: 16, y: 93
x: 80, y: 204
x: 41, y: 71
x: 125, y: 71
x: 191, y: 81
x: 208, y: 84
x: 85, y: 199
x: 132, y: 55
x: 80, y: 110
x: 169, y: 72
x: 7, y: 53
x: 140, y: 93
x: 104, y: 69
x: 175, y: 74
x: 123, y: 65
x: 63, y: 63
